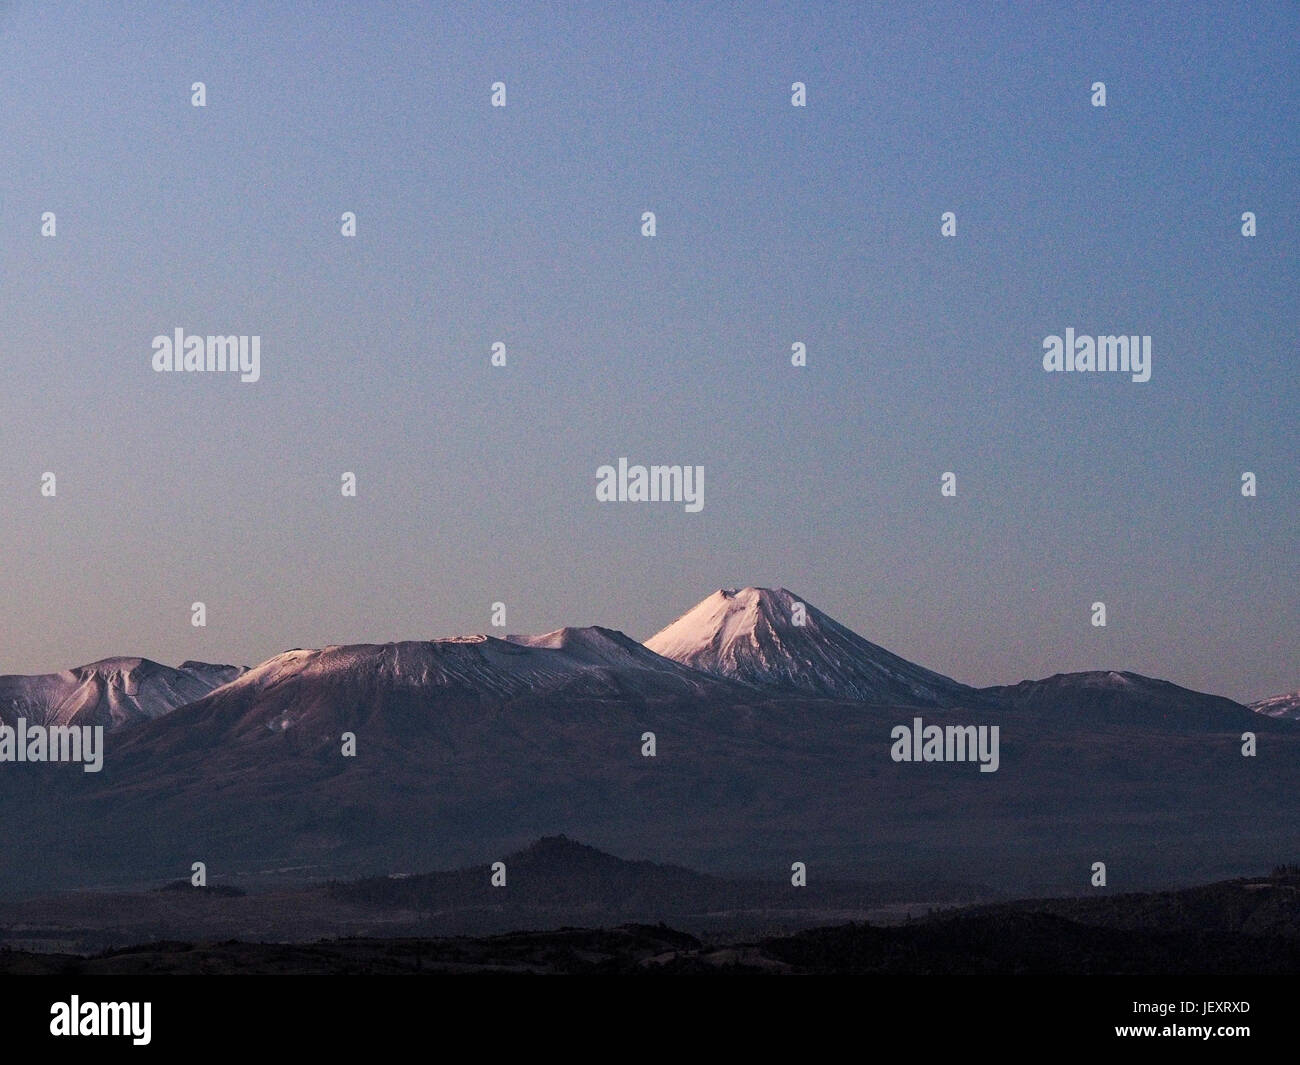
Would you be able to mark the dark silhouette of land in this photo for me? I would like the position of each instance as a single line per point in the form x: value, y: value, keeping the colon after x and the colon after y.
x: 576, y: 900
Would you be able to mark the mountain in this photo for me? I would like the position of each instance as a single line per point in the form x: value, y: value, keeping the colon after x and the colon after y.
x: 751, y: 635
x: 1100, y: 698
x: 625, y: 666
x: 369, y: 759
x: 562, y: 878
x: 301, y: 687
x: 1283, y: 706
x: 114, y: 692
x: 553, y: 882
x: 211, y: 674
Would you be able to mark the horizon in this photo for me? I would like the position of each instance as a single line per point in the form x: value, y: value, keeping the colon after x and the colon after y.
x: 777, y: 226
x: 507, y: 636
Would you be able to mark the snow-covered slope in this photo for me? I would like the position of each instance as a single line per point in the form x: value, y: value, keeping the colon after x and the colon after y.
x: 602, y: 648
x: 211, y: 674
x: 597, y: 646
x: 1284, y: 706
x: 482, y: 665
x: 592, y: 661
x: 113, y: 692
x: 623, y: 666
x: 751, y: 635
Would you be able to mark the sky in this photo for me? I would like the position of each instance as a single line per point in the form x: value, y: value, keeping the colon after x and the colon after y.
x: 775, y: 224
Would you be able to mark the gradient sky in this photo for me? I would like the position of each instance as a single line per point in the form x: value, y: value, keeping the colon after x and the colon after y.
x: 775, y: 224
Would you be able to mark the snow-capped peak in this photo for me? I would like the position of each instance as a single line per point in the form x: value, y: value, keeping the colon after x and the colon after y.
x: 1284, y: 706
x: 772, y: 638
x: 112, y: 692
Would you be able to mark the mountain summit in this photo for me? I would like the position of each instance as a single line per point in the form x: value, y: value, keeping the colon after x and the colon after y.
x: 1283, y: 706
x: 755, y: 635
x: 114, y: 692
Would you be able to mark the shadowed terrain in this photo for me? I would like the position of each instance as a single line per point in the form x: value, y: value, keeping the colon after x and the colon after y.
x: 1239, y: 927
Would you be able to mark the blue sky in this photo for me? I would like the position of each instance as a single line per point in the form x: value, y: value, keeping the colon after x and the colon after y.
x: 775, y: 224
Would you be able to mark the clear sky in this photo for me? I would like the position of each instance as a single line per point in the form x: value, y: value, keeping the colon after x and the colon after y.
x: 775, y: 224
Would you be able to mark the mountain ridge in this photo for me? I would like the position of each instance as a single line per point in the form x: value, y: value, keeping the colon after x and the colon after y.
x: 734, y: 641
x: 1285, y: 706
x: 113, y: 692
